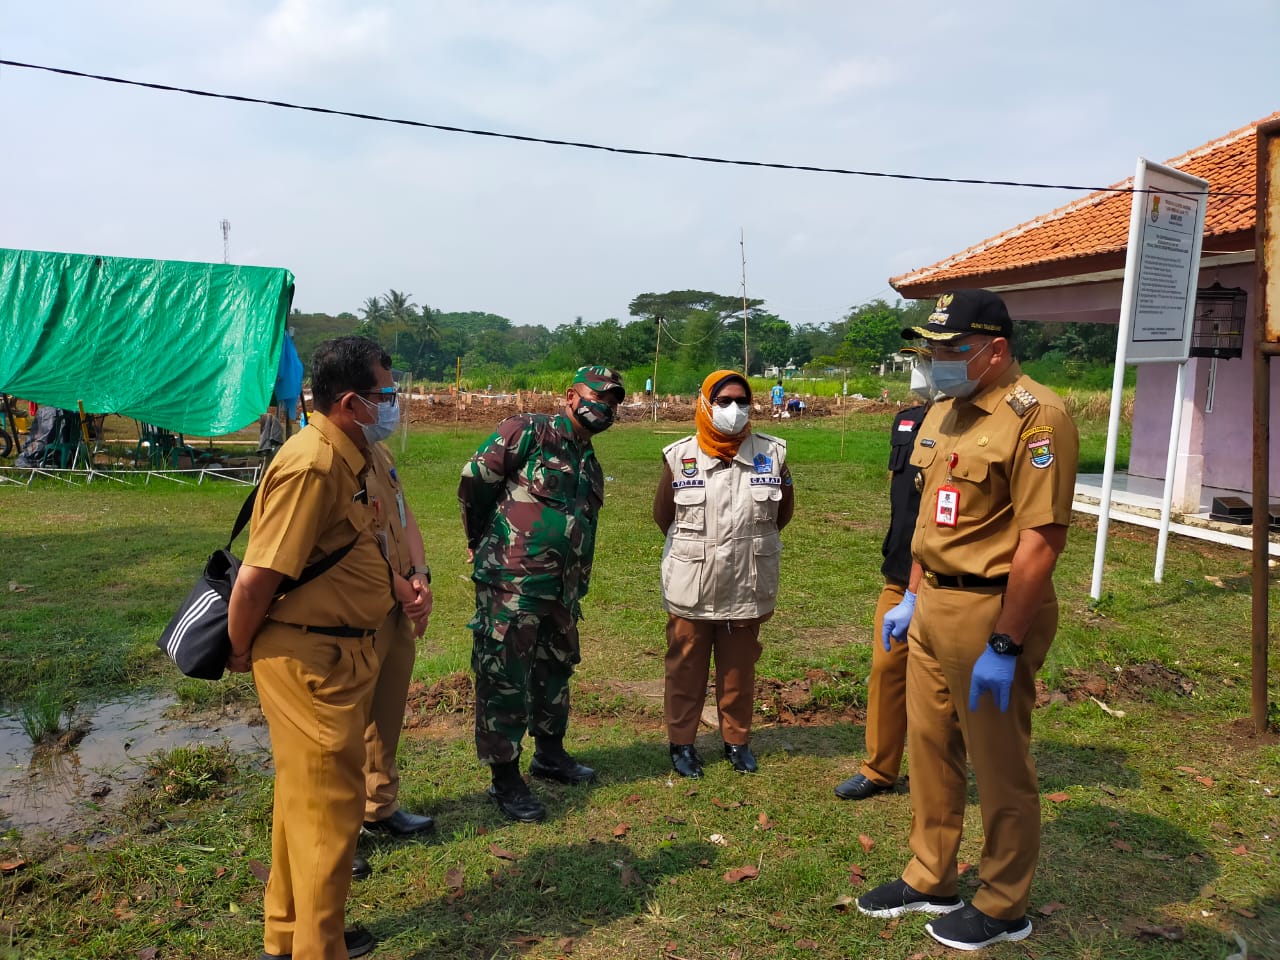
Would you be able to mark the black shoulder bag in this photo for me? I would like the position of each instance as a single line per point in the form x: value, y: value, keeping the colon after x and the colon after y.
x: 196, y: 639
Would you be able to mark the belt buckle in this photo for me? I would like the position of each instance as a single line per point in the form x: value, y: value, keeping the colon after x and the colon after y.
x: 931, y: 577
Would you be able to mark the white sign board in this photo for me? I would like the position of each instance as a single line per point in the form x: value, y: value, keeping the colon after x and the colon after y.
x: 1166, y: 232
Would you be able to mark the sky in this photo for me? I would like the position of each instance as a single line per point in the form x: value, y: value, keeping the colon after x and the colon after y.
x: 1058, y: 92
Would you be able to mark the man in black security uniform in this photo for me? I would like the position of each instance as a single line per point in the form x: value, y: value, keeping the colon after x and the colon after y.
x: 886, y: 729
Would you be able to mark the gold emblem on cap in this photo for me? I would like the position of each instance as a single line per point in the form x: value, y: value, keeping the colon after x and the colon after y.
x: 944, y: 301
x: 983, y: 441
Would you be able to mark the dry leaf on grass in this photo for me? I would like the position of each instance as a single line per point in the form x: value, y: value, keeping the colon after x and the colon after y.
x: 806, y: 944
x: 629, y: 876
x: 1240, y: 851
x: 1205, y: 781
x: 260, y: 870
x: 1107, y: 710
x: 1049, y: 909
x: 726, y: 805
x: 500, y: 853
x: 843, y: 903
x: 148, y: 953
x: 526, y: 940
x: 621, y: 830
x: 12, y: 866
x: 1191, y: 770
x: 453, y: 878
x: 738, y: 874
x: 856, y: 876
x: 962, y: 868
x: 634, y: 798
x: 1059, y: 797
x: 1148, y: 931
x: 867, y: 842
x: 566, y: 944
x: 1122, y: 846
x: 1216, y: 581
x: 718, y: 839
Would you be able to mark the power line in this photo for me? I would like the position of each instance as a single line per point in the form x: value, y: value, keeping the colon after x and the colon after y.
x: 581, y: 145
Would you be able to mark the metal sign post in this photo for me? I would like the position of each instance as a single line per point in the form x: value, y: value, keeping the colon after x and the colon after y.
x: 1157, y: 307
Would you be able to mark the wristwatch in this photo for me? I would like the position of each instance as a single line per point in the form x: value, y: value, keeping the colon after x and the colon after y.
x: 1003, y: 643
x: 424, y: 570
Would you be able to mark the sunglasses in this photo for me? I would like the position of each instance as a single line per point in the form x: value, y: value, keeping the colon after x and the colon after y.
x: 725, y: 401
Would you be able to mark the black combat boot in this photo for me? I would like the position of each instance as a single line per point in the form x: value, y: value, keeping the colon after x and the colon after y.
x: 513, y: 796
x: 551, y: 762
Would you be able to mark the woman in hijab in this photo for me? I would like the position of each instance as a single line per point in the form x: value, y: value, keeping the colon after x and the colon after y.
x: 724, y: 495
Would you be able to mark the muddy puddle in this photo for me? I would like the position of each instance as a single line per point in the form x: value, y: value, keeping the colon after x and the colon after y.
x: 61, y: 790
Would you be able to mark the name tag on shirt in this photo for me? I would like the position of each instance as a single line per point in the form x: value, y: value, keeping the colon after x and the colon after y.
x: 677, y: 484
x: 766, y: 481
x: 947, y: 507
x: 404, y: 521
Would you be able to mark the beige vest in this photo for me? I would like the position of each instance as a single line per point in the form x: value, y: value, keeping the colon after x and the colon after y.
x: 721, y: 558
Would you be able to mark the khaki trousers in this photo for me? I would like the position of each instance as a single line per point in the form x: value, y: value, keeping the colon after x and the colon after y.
x: 690, y: 645
x: 886, y: 696
x: 315, y: 694
x: 948, y: 633
x: 396, y: 649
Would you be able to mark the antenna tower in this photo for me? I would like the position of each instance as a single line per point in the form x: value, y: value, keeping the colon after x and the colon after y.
x: 226, y: 240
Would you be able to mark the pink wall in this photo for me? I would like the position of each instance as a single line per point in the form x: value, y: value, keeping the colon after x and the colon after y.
x: 1224, y: 436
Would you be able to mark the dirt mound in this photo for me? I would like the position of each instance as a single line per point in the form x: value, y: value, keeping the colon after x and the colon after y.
x: 450, y: 695
x: 1139, y: 681
x: 812, y: 700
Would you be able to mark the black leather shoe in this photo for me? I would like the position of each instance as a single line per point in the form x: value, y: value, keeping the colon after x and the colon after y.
x: 359, y: 942
x: 739, y: 754
x: 562, y: 768
x: 402, y: 823
x: 519, y: 803
x: 686, y: 761
x: 859, y: 787
x: 360, y: 869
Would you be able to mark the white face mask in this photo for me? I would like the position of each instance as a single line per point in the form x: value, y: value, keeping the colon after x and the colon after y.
x: 730, y: 420
x: 385, y: 425
x: 921, y: 381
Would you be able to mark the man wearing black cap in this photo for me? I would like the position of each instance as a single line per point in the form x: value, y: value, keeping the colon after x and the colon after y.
x: 530, y: 496
x: 998, y: 462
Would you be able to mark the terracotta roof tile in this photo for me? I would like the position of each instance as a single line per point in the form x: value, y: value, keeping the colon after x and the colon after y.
x: 1094, y: 230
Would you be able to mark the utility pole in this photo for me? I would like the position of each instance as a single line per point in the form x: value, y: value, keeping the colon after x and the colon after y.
x: 657, y: 345
x: 226, y: 240
x: 742, y: 245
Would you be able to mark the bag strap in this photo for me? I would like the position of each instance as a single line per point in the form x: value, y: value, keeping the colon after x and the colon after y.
x: 310, y: 572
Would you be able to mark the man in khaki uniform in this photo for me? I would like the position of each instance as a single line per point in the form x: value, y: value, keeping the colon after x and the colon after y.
x: 998, y: 464
x: 396, y: 644
x: 312, y: 650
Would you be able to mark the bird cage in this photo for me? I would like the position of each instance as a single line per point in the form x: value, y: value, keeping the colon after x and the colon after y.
x: 1218, y: 327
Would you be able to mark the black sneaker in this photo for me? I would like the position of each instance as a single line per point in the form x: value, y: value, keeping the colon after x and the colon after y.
x: 971, y: 929
x: 898, y: 897
x: 359, y: 942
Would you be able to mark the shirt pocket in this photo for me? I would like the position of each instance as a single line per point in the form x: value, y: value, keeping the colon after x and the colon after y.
x: 556, y: 486
x: 764, y: 505
x: 972, y: 477
x: 922, y: 456
x: 900, y: 446
x: 767, y: 555
x: 691, y: 510
x: 683, y: 573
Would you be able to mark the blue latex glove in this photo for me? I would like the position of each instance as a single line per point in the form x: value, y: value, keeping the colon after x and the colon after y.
x: 993, y: 674
x: 898, y: 619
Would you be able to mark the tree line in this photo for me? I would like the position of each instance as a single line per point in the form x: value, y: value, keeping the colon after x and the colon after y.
x: 692, y: 331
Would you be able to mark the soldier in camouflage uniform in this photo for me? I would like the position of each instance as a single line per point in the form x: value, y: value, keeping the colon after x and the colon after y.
x: 529, y: 499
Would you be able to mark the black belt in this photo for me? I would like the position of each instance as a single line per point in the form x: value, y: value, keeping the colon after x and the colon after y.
x: 355, y: 633
x: 963, y: 580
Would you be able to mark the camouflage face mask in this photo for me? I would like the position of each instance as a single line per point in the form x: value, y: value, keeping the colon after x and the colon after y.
x: 595, y: 415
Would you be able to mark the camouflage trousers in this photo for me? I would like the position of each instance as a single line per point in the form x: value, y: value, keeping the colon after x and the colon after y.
x: 522, y: 660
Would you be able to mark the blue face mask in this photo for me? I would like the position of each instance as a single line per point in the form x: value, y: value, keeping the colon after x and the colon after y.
x: 951, y: 377
x: 385, y: 425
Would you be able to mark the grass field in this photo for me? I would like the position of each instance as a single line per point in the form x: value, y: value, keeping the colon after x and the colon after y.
x: 1159, y: 825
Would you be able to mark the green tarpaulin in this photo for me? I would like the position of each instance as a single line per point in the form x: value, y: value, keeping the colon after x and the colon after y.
x: 190, y: 347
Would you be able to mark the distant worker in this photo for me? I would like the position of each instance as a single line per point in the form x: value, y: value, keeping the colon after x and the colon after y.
x: 530, y: 497
x: 777, y: 394
x: 724, y: 496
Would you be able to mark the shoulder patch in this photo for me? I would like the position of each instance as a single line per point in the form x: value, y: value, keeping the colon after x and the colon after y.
x: 1020, y: 399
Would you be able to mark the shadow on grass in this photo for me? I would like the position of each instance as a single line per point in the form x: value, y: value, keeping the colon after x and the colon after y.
x: 546, y: 895
x: 1063, y: 765
x: 1114, y: 868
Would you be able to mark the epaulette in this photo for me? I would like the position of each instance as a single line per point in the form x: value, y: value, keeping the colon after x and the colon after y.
x: 1020, y: 399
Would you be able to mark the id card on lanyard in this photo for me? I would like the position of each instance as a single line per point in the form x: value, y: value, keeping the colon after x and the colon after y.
x: 946, y: 506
